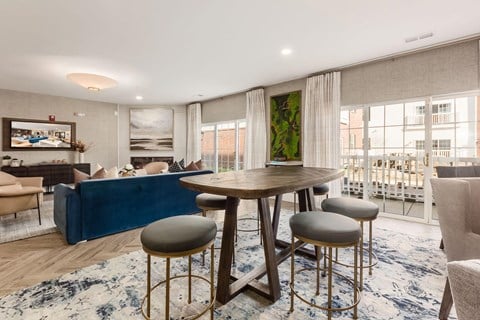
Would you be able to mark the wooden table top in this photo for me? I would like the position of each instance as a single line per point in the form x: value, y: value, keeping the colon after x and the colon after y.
x: 260, y: 183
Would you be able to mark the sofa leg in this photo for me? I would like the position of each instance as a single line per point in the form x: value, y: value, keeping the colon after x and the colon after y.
x: 38, y: 209
x: 441, y: 244
x: 447, y: 302
x: 15, y: 214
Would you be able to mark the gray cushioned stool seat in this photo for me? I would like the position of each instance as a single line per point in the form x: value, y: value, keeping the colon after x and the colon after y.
x: 178, y: 234
x: 350, y: 207
x: 208, y: 200
x: 320, y: 189
x: 325, y: 227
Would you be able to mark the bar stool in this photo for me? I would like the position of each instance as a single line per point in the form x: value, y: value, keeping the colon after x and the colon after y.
x: 321, y: 190
x: 318, y: 190
x: 208, y: 202
x: 176, y: 237
x: 362, y: 211
x: 328, y: 230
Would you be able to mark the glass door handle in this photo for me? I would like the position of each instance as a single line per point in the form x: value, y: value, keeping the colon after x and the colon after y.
x: 426, y: 159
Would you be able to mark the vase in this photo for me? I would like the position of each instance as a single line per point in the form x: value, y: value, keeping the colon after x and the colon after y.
x: 81, y: 157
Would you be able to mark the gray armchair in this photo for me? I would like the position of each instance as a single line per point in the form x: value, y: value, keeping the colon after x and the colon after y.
x: 464, y: 278
x: 458, y: 207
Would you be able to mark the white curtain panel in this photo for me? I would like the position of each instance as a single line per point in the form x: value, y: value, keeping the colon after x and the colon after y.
x: 321, y: 131
x: 256, y: 131
x: 194, y: 127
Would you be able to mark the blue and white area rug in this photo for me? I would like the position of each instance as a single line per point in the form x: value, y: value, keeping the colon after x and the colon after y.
x: 407, y: 283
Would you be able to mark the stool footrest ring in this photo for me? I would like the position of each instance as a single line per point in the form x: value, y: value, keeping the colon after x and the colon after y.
x: 365, y: 266
x: 196, y: 316
x: 355, y: 303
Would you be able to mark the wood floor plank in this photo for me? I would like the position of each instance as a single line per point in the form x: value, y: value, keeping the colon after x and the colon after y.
x: 24, y: 263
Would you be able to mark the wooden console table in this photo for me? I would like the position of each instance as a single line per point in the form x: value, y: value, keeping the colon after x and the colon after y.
x: 52, y: 173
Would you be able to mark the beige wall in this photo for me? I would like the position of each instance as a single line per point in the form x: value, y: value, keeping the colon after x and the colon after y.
x: 179, y: 135
x: 104, y: 124
x: 99, y: 125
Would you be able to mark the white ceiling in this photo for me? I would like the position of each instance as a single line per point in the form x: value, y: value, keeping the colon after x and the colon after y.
x: 171, y: 51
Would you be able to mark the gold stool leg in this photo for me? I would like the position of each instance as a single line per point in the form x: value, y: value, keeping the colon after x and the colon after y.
x: 148, y: 284
x: 370, y: 248
x: 355, y: 284
x: 318, y: 252
x: 324, y: 261
x: 361, y: 257
x: 190, y: 278
x: 204, y: 214
x: 330, y: 283
x: 292, y: 272
x: 167, y: 293
x: 212, y: 271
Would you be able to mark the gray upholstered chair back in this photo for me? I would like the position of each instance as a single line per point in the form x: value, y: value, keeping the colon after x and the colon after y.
x: 458, y: 207
x: 457, y: 172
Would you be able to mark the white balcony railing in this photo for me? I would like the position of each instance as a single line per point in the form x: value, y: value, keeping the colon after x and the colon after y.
x: 437, y: 118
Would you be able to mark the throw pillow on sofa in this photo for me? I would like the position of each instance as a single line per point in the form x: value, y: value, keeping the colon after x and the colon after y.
x: 79, y: 176
x: 191, y: 167
x: 175, y: 167
x: 182, y: 163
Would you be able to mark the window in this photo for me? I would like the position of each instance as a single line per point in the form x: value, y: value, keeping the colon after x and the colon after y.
x: 420, y: 144
x: 223, y: 145
x: 441, y: 108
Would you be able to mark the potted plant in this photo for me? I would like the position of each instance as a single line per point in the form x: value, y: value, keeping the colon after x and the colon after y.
x: 6, y: 160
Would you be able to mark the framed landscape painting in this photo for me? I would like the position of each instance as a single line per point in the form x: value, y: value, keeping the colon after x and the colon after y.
x: 285, y: 126
x: 151, y: 129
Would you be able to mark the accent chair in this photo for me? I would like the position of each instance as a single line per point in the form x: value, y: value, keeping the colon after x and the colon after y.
x: 457, y: 201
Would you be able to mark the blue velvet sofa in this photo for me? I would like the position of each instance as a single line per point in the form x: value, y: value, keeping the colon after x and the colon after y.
x: 96, y: 208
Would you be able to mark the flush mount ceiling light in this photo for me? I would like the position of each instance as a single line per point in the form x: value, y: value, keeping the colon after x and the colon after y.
x: 286, y: 51
x: 139, y: 97
x: 92, y: 82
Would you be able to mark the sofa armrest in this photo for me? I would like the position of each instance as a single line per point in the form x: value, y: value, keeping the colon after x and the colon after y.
x: 66, y: 213
x: 31, y: 181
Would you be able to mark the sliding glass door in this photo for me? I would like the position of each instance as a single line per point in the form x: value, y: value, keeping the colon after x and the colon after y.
x: 223, y: 145
x: 389, y: 151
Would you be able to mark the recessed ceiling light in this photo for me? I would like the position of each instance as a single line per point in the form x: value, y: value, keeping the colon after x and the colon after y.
x: 286, y: 51
x: 139, y: 97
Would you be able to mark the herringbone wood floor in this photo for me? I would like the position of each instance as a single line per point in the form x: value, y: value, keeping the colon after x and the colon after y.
x: 27, y: 262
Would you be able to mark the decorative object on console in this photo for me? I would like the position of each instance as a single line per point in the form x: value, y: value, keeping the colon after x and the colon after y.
x: 81, y: 147
x: 16, y: 163
x: 151, y: 129
x: 6, y: 160
x: 285, y: 126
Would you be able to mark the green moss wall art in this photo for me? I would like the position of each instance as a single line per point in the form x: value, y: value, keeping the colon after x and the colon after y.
x: 285, y: 126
